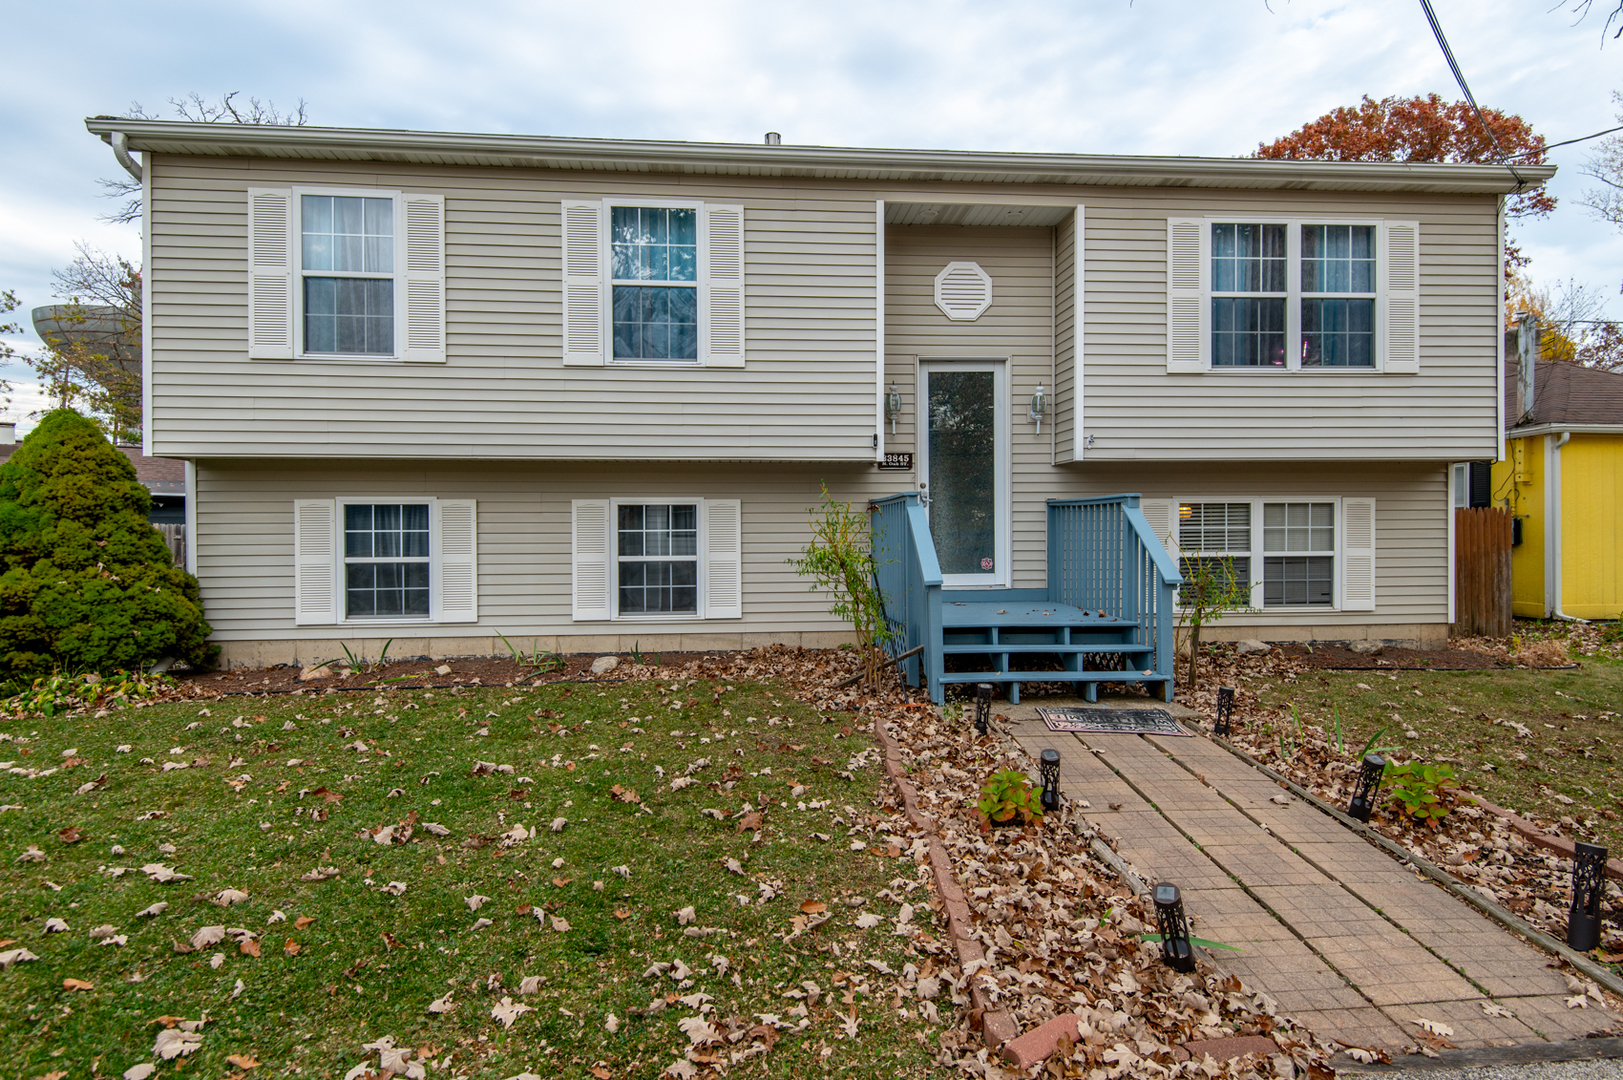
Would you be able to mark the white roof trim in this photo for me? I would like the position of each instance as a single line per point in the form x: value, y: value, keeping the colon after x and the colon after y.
x: 748, y: 159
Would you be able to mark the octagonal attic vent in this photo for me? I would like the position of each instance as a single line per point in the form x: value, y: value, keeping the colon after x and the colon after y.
x: 963, y: 291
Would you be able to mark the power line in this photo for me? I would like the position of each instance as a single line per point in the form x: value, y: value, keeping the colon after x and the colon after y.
x: 1568, y: 142
x: 1459, y: 77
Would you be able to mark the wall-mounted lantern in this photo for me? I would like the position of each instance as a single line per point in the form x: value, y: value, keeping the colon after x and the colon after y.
x: 893, y: 406
x: 1039, y: 407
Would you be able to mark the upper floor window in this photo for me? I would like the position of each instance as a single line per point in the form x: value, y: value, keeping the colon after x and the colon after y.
x: 1287, y: 294
x: 346, y: 267
x: 654, y: 263
x: 337, y: 274
x: 650, y: 281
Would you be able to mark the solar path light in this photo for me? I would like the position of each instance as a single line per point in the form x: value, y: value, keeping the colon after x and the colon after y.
x: 1369, y: 782
x: 1588, y: 873
x: 983, y: 707
x: 1048, y: 769
x: 1176, y: 948
x: 1225, y: 711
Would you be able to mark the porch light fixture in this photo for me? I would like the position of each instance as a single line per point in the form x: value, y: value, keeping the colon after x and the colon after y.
x: 1583, y: 920
x: 1369, y: 782
x: 1048, y: 769
x: 1176, y: 949
x: 893, y: 406
x: 1039, y: 407
x: 983, y: 707
x: 1225, y: 711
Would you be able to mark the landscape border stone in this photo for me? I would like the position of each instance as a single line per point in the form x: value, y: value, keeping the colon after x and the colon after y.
x: 1549, y: 841
x: 1486, y: 1057
x: 998, y: 1026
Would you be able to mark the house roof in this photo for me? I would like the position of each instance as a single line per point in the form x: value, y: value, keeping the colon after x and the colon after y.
x: 1564, y: 396
x: 160, y: 476
x: 823, y: 162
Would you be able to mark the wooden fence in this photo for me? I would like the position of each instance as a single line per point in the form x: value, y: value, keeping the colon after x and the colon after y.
x: 175, y: 535
x: 1482, y: 572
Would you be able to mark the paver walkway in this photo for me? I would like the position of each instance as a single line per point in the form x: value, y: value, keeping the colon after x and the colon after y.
x: 1344, y: 937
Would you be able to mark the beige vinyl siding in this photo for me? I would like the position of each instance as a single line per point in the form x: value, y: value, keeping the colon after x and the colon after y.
x: 805, y: 393
x: 244, y: 540
x: 1136, y: 410
x: 1062, y: 398
x: 1017, y: 327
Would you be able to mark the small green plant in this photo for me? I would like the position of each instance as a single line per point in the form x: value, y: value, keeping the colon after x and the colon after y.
x: 840, y: 560
x: 1422, y: 792
x: 542, y: 660
x: 1212, y: 587
x: 1009, y: 796
x: 638, y: 658
x: 1340, y: 746
x: 1196, y: 940
x: 1289, y: 746
x: 62, y: 693
x: 1370, y: 746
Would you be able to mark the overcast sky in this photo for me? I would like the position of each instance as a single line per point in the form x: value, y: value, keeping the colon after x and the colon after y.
x: 1196, y: 77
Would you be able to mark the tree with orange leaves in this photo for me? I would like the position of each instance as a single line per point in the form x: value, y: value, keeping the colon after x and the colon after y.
x: 1422, y: 129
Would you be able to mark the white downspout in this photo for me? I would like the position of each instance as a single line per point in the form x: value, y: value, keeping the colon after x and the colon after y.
x: 1553, y: 479
x: 121, y: 150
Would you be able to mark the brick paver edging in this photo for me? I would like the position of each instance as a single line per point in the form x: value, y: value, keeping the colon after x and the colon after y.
x: 997, y: 1025
x: 1506, y: 918
x: 1548, y: 841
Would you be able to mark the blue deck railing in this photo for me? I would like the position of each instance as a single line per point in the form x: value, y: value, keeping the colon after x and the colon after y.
x: 910, y: 579
x: 1103, y: 556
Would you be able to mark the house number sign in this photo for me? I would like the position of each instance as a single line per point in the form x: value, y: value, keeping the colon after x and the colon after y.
x: 897, y: 461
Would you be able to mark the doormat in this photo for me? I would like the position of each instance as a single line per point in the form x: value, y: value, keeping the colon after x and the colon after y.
x: 1112, y: 721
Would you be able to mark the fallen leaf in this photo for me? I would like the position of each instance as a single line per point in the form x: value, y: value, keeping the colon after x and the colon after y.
x: 621, y: 913
x: 813, y: 907
x: 207, y: 935
x: 242, y: 1061
x: 441, y: 1005
x: 303, y: 921
x: 173, y: 1043
x: 292, y: 948
x: 560, y: 925
x: 227, y: 897
x: 77, y: 984
x: 686, y: 916
x: 141, y: 1071
x: 248, y: 947
x: 71, y: 835
x: 507, y: 1010
x: 1435, y: 1027
x: 155, y: 909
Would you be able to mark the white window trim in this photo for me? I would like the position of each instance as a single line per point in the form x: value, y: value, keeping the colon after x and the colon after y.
x: 1257, y: 555
x: 701, y: 284
x: 1294, y: 295
x: 340, y: 590
x: 398, y: 276
x: 701, y: 557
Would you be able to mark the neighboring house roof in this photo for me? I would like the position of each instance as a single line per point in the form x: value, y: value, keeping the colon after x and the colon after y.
x: 1564, y: 396
x: 826, y: 162
x: 160, y: 476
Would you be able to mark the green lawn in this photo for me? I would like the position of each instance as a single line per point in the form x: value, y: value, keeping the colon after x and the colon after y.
x: 1522, y: 738
x: 276, y: 788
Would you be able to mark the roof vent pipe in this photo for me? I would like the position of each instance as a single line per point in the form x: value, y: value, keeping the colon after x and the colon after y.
x: 1527, y: 357
x: 774, y: 139
x: 121, y: 150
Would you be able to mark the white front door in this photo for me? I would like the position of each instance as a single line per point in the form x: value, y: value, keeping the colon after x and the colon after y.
x: 964, y: 467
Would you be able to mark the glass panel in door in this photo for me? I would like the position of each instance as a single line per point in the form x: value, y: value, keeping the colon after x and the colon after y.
x: 964, y: 473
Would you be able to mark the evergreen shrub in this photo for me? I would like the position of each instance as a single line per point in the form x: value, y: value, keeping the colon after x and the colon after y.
x: 86, y: 582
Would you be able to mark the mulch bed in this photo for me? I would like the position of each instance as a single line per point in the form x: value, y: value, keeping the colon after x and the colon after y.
x: 1340, y: 657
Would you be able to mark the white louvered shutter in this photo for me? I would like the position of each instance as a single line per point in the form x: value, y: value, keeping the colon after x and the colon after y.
x: 724, y: 323
x: 270, y: 273
x: 315, y: 562
x: 723, y: 559
x: 590, y: 528
x: 425, y: 277
x: 963, y: 291
x: 582, y: 224
x: 457, y: 541
x: 1401, y: 246
x: 1357, y: 554
x: 1188, y: 309
x: 1162, y: 518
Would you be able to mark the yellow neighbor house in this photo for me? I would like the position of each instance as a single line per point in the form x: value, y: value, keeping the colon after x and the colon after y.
x: 1562, y: 478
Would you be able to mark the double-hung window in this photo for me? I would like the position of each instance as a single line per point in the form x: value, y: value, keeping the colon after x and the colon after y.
x: 657, y: 558
x: 649, y: 281
x: 1288, y: 554
x: 1292, y: 294
x: 369, y: 560
x: 342, y: 274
